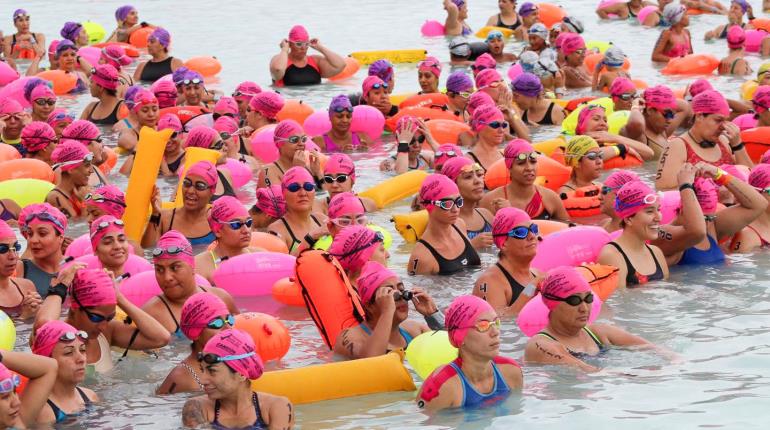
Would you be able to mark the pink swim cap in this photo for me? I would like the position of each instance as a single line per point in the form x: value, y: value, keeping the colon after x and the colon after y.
x: 170, y: 241
x: 198, y: 310
x: 105, y: 76
x: 109, y: 199
x: 270, y: 201
x: 165, y: 92
x: 483, y: 62
x: 584, y: 116
x: 369, y: 84
x: 484, y: 115
x: 372, y: 276
x: 226, y: 124
x: 143, y: 98
x: 267, y: 103
x: 171, y: 121
x: 765, y: 159
x: 659, y: 97
x: 81, y: 130
x: 115, y: 56
x: 298, y: 33
x: 622, y: 85
x: 206, y: 171
x: 37, y: 213
x: 354, y: 245
x: 37, y: 135
x: 5, y: 374
x: 455, y: 166
x: 445, y: 152
x: 42, y: 92
x: 760, y: 101
x: 487, y: 77
x: 6, y: 232
x: 736, y: 37
x: 436, y: 187
x: 572, y: 44
x: 286, y: 129
x: 103, y: 226
x: 339, y: 163
x: 91, y: 288
x: 10, y: 106
x: 49, y: 334
x: 345, y: 204
x: 707, y: 193
x: 296, y: 174
x: 246, y: 90
x: 697, y: 87
x: 201, y: 136
x: 633, y: 197
x: 69, y: 154
x: 505, y: 220
x: 619, y: 178
x: 710, y: 102
x: 478, y: 99
x: 561, y: 283
x: 59, y: 115
x: 461, y: 315
x: 760, y: 176
x: 234, y: 343
x: 430, y: 64
x: 224, y: 210
x: 226, y: 105
x: 514, y: 148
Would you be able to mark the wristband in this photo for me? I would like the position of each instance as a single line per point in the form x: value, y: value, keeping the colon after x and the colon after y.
x: 737, y: 148
x: 435, y: 320
x: 623, y: 150
x: 310, y: 241
x: 155, y: 219
x: 403, y: 147
x: 722, y: 178
x: 58, y: 290
x: 686, y: 186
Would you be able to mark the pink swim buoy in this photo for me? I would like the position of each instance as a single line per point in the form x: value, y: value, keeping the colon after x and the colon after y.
x: 754, y: 40
x: 367, y: 119
x: 746, y: 121
x: 645, y: 12
x: 432, y: 28
x: 570, y: 247
x: 239, y: 171
x: 262, y: 144
x: 144, y: 286
x: 317, y: 123
x: 7, y: 74
x: 514, y: 71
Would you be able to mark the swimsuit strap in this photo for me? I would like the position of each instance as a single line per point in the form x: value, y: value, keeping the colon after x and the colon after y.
x: 294, y: 240
x: 594, y: 337
x: 83, y: 395
x: 193, y: 374
x: 476, y: 160
x: 762, y: 240
x: 486, y: 221
x: 173, y: 214
x: 173, y: 317
x: 516, y: 287
x: 315, y: 220
x: 548, y: 117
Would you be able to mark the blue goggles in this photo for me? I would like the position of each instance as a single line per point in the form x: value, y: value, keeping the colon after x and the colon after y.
x: 520, y: 232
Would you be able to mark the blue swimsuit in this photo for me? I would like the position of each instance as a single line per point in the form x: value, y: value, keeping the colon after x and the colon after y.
x: 712, y: 255
x: 407, y: 337
x: 62, y: 416
x: 471, y: 396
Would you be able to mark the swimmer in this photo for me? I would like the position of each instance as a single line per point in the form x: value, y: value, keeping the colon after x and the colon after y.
x: 538, y: 42
x: 340, y: 138
x: 39, y: 141
x: 521, y: 192
x: 74, y: 163
x: 194, y: 92
x: 19, y: 410
x: 299, y: 220
x: 104, y: 87
x: 161, y: 63
x: 463, y: 52
x: 242, y: 95
x: 115, y: 56
x: 623, y: 94
x: 754, y: 235
x: 485, y: 61
x: 131, y: 120
x: 175, y: 273
x: 428, y: 73
x: 469, y: 178
x: 292, y: 66
x: 144, y: 106
x: 708, y: 6
x: 345, y: 209
x: 75, y: 33
x: 551, y: 77
x: 69, y: 62
x: 59, y: 119
x: 228, y: 364
x: 386, y: 304
x: 675, y: 41
x: 612, y: 63
x: 576, y: 75
x: 623, y: 10
x: 459, y: 88
x: 43, y: 226
x: 530, y: 15
x: 586, y: 157
x: 109, y: 243
x: 761, y: 103
x: 457, y: 13
x: 490, y: 127
x: 376, y: 94
x: 656, y: 118
x: 13, y: 118
x: 592, y: 121
x: 20, y: 299
x: 355, y: 245
x: 445, y: 232
x: 42, y: 99
x: 263, y: 108
x: 528, y: 94
x: 496, y: 47
x: 269, y: 207
x: 108, y: 200
x: 127, y: 18
x: 656, y: 19
x: 611, y: 185
x: 507, y: 15
x: 510, y: 283
x: 340, y: 177
x: 411, y: 133
x: 173, y: 154
x: 23, y: 44
x: 291, y: 141
x: 738, y: 8
x: 479, y: 375
x: 735, y: 63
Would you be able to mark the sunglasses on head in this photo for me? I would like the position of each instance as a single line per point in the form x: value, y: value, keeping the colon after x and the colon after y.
x: 343, y: 109
x: 8, y: 385
x: 101, y: 199
x: 341, y: 178
x: 294, y: 139
x: 346, y: 221
x: 523, y: 157
x: 496, y: 124
x: 171, y: 250
x: 217, y: 115
x: 93, y: 317
x: 72, y: 335
x: 195, y: 81
x: 43, y: 102
x: 214, y: 359
x: 199, y: 185
x: 220, y: 322
x: 521, y: 232
x: 4, y: 247
x: 44, y: 216
x: 447, y: 204
x: 573, y: 300
x: 296, y: 186
x: 237, y: 224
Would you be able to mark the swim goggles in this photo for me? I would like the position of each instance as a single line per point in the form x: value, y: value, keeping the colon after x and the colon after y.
x: 471, y: 168
x: 573, y: 300
x: 520, y: 232
x: 214, y: 359
x: 492, y: 35
x: 296, y: 186
x: 171, y: 250
x: 343, y: 109
x: 446, y: 204
x: 592, y: 155
x: 378, y: 85
x: 451, y: 153
x: 345, y: 221
x: 87, y: 159
x: 4, y: 247
x: 101, y: 199
x: 43, y: 102
x: 44, y: 216
x: 482, y: 326
x: 647, y: 200
x: 378, y: 237
x: 93, y: 317
x: 97, y: 139
x: 495, y: 124
x: 192, y: 81
x: 219, y: 322
x: 341, y: 178
x: 219, y: 144
x: 627, y: 96
x: 105, y: 224
x: 237, y: 224
x: 300, y: 44
x: 606, y: 189
x: 72, y: 335
x: 199, y: 185
x: 293, y: 139
x: 8, y: 385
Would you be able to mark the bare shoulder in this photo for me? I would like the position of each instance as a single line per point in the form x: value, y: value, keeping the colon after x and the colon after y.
x: 196, y: 411
x: 25, y: 285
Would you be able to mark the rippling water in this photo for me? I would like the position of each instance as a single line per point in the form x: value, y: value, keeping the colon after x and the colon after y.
x: 715, y: 318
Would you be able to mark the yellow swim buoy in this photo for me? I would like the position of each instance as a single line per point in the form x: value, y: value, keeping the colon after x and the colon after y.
x: 396, y: 188
x: 411, y: 226
x: 395, y: 56
x: 7, y: 332
x: 484, y: 31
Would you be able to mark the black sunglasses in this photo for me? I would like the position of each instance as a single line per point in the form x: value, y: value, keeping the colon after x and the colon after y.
x: 573, y: 300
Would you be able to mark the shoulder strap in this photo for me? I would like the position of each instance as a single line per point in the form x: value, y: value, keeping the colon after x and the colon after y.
x: 593, y: 337
x: 432, y: 386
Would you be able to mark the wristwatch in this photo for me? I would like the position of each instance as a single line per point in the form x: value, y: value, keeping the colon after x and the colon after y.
x: 403, y: 147
x: 686, y: 186
x: 155, y: 219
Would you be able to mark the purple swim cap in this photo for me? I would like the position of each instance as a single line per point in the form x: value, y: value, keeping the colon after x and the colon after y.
x: 178, y: 75
x: 122, y: 12
x: 64, y: 45
x: 30, y: 85
x: 383, y: 69
x: 163, y: 36
x: 459, y: 82
x: 71, y: 30
x: 339, y: 103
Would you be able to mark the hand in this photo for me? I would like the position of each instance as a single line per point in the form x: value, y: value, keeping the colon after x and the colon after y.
x: 26, y: 118
x: 383, y: 298
x: 633, y: 152
x: 30, y: 303
x: 348, y: 146
x: 315, y: 44
x: 686, y: 174
x: 732, y: 133
x: 39, y: 50
x: 386, y: 165
x: 602, y: 137
x: 500, y: 203
x: 155, y: 201
x: 65, y: 243
x: 482, y: 240
x: 504, y: 99
x: 449, y: 5
x: 300, y: 158
x: 425, y: 131
x: 407, y: 133
x: 245, y: 131
x: 315, y: 163
x: 284, y: 45
x: 67, y: 274
x: 706, y: 170
x: 423, y: 302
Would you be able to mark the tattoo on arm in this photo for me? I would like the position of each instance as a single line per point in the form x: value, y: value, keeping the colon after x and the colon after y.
x: 549, y: 353
x: 662, y: 163
x: 192, y: 414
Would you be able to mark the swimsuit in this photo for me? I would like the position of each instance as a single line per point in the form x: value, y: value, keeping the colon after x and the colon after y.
x: 110, y: 119
x: 258, y: 424
x: 174, y: 165
x: 200, y: 240
x: 724, y: 158
x: 680, y: 49
x: 513, y: 26
x: 23, y: 53
x: 178, y: 331
x: 294, y: 241
x: 105, y: 360
x: 309, y: 74
x: 535, y: 208
x: 332, y: 147
x: 547, y: 118
x: 40, y: 278
x: 227, y: 189
x: 485, y: 229
x: 5, y: 215
x: 422, y: 163
x: 632, y: 276
x: 405, y: 334
x: 468, y: 257
x: 62, y: 416
x: 77, y: 205
x: 516, y: 287
x: 14, y: 311
x: 155, y: 70
x: 631, y: 13
x: 712, y: 255
x: 471, y: 396
x: 580, y: 355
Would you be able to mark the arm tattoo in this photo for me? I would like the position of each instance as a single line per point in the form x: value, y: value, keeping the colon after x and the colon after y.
x: 662, y: 163
x: 548, y: 353
x: 192, y: 414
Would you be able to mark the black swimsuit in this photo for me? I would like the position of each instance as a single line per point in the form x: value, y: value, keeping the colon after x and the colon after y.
x: 633, y: 277
x: 547, y: 118
x: 155, y: 70
x: 227, y: 189
x: 294, y: 241
x: 259, y: 423
x: 513, y: 26
x: 467, y: 258
x: 110, y: 119
x: 516, y: 287
x: 174, y: 165
x: 62, y: 416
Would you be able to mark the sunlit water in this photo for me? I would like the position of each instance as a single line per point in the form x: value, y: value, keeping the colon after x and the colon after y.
x: 716, y: 318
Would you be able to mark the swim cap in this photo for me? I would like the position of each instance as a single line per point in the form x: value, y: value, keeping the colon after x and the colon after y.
x: 10, y: 107
x: 226, y: 105
x: 430, y: 64
x: 539, y: 30
x: 354, y: 245
x: 736, y: 37
x: 270, y: 201
x: 659, y: 97
x: 455, y: 166
x: 486, y: 77
x: 545, y: 68
x: 505, y: 220
x: 91, y: 288
x: 81, y: 130
x: 226, y: 124
x: 97, y: 231
x: 572, y: 43
x: 105, y: 76
x: 267, y: 103
x: 178, y: 75
x: 436, y: 187
x: 556, y: 44
x: 296, y: 174
x: 109, y: 199
x: 48, y: 335
x: 443, y: 153
x: 697, y: 87
x: 339, y: 103
x: 527, y: 9
x: 298, y: 33
x: 494, y: 34
x: 284, y: 130
x: 383, y: 69
x: 59, y: 115
x: 633, y: 197
x: 461, y: 315
x: 674, y: 12
x: 345, y: 204
x: 6, y: 232
x: 340, y: 163
x: 115, y: 56
x: 614, y: 57
x: 171, y: 121
x: 53, y: 216
x: 514, y: 148
x: 743, y: 4
x: 577, y: 147
x: 707, y: 193
x: 71, y: 30
x: 192, y: 75
x: 527, y: 85
x: 622, y: 85
x: 173, y: 239
x: 131, y: 91
x: 143, y: 98
x: 373, y: 275
x: 6, y: 374
x: 224, y: 210
x: 761, y: 99
x: 484, y: 115
x: 18, y: 13
x: 573, y: 24
x: 484, y: 61
x: 764, y: 68
x: 162, y: 35
x: 585, y: 115
x: 246, y: 90
x: 459, y: 3
x: 369, y: 84
x: 759, y: 177
x: 459, y: 47
x: 232, y: 342
x: 206, y: 171
x: 122, y: 12
x: 459, y: 82
x: 36, y: 136
x: 38, y: 89
x: 619, y: 178
x: 478, y: 99
x: 198, y: 310
x: 765, y: 159
x: 201, y: 136
x: 52, y: 48
x: 405, y: 122
x: 710, y: 102
x: 69, y: 154
x: 562, y: 282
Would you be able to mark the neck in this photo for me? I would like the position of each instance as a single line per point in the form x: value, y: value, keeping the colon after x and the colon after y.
x: 66, y: 184
x: 582, y: 181
x: 160, y: 56
x: 516, y: 266
x: 224, y: 250
x: 631, y: 240
x: 563, y: 330
x: 49, y: 263
x: 475, y: 368
x: 339, y: 135
x: 117, y: 270
x: 64, y: 389
x: 296, y: 56
x: 194, y: 213
x: 436, y: 228
x: 239, y: 401
x: 468, y: 209
x: 297, y: 216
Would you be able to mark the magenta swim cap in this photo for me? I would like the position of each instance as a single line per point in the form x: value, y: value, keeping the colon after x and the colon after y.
x: 206, y: 171
x: 224, y: 210
x: 430, y: 64
x: 436, y: 187
x: 710, y: 102
x: 487, y: 77
x: 622, y: 85
x: 478, y: 99
x: 707, y: 193
x: 339, y: 163
x: 446, y: 152
x: 485, y: 115
x: 41, y: 92
x: 267, y: 103
x: 514, y: 148
x: 659, y: 97
x: 36, y: 136
x: 354, y: 245
x: 103, y: 226
x: 284, y: 130
x: 459, y: 82
x: 143, y: 98
x: 619, y: 178
x: 296, y: 174
x: 10, y: 107
x: 585, y: 115
x: 246, y: 90
x: 49, y: 334
x: 633, y: 197
x: 373, y: 275
x: 115, y: 56
x: 226, y: 124
x: 91, y: 288
x: 505, y: 220
x: 233, y: 343
x: 736, y: 37
x: 761, y: 99
x: 37, y: 213
x: 455, y: 166
x: 81, y: 130
x: 270, y: 201
x: 109, y: 199
x: 760, y: 176
x: 201, y: 136
x: 6, y: 232
x: 461, y: 315
x: 573, y: 43
x: 561, y: 283
x: 105, y: 76
x: 171, y: 121
x: 198, y: 310
x: 345, y: 204
x: 69, y: 155
x: 697, y: 87
x: 298, y: 33
x: 170, y: 241
x: 59, y: 115
x: 369, y: 84
x: 484, y: 61
x: 226, y: 105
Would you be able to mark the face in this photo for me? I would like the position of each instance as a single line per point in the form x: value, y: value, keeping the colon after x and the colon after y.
x: 685, y: 20
x: 572, y: 316
x: 379, y: 98
x: 496, y: 46
x: 174, y: 143
x: 43, y: 240
x: 82, y: 39
x: 58, y: 128
x: 22, y: 23
x: 348, y: 219
x: 195, y: 198
x: 154, y: 47
x: 112, y: 249
x: 93, y: 212
x: 491, y: 135
x: 460, y: 101
x: 9, y: 259
x: 624, y: 101
x: 193, y: 93
x: 428, y: 81
x: 380, y: 255
x: 735, y: 13
x: 764, y: 117
x: 444, y: 216
x: 10, y: 410
x: 528, y: 21
x: 239, y: 238
x: 591, y: 168
x: 67, y: 60
x: 487, y: 344
x: 524, y: 102
x: 219, y: 381
x: 337, y: 187
x: 646, y: 222
x: 80, y: 174
x: 608, y: 203
x: 13, y: 125
x: 710, y: 126
x: 471, y: 185
x: 656, y: 119
x: 402, y: 306
x: 494, y: 89
x: 44, y: 106
x: 521, y: 249
x: 463, y: 11
x: 536, y: 42
x: 83, y: 322
x: 132, y: 18
x: 341, y: 121
x: 71, y: 357
x: 597, y: 121
x: 506, y: 5
x: 524, y: 172
x: 300, y: 200
x: 576, y: 58
x: 253, y: 118
x: 175, y: 277
x: 765, y: 79
x: 288, y: 149
x: 298, y: 49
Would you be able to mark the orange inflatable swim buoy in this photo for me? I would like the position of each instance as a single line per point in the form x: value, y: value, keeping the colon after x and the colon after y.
x: 62, y: 81
x: 574, y: 103
x: 446, y: 131
x: 638, y: 84
x: 431, y: 100
x: 288, y: 292
x: 184, y: 113
x: 8, y: 152
x: 26, y: 168
x: 131, y: 50
x: 424, y: 113
x: 622, y: 163
x: 330, y: 299
x: 271, y: 337
x: 757, y: 141
x: 268, y: 242
x: 583, y: 202
x: 352, y: 66
x: 693, y: 64
x: 550, y: 14
x: 109, y: 164
x: 296, y: 110
x: 603, y: 279
x: 205, y: 65
x: 592, y: 60
x: 139, y: 37
x: 761, y: 24
x: 555, y: 173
